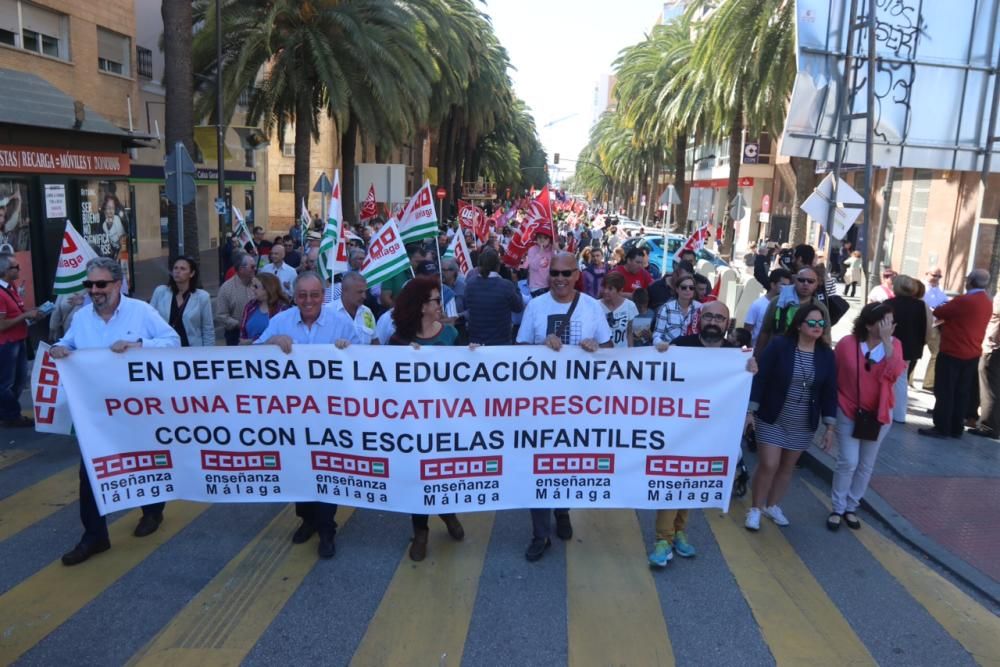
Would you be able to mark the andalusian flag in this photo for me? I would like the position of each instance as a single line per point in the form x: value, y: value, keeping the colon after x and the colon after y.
x: 304, y: 221
x: 419, y: 219
x: 327, y: 264
x: 386, y: 255
x: 72, y: 268
x: 241, y: 231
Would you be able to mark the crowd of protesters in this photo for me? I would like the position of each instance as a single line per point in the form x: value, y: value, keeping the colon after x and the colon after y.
x: 582, y: 288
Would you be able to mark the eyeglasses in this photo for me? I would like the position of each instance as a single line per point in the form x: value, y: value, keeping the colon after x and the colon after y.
x: 816, y: 323
x: 685, y: 287
x: 436, y: 299
x: 714, y: 317
x: 934, y: 275
x: 99, y: 284
x: 14, y: 266
x: 806, y: 281
x: 555, y: 273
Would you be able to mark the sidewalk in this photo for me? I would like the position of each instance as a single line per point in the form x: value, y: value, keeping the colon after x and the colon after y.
x: 942, y: 496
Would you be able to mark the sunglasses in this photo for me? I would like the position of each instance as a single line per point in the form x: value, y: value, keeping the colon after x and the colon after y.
x: 806, y: 281
x: 99, y: 284
x: 555, y: 273
x: 816, y: 323
x: 14, y: 266
x: 685, y: 287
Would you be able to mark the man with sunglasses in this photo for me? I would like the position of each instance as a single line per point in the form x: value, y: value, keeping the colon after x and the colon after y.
x: 561, y: 316
x: 121, y: 323
x: 803, y: 290
x: 13, y: 345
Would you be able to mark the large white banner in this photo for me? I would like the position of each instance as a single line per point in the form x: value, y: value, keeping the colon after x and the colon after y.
x: 424, y: 431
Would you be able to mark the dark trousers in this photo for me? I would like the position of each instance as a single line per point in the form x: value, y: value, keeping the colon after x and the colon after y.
x: 95, y: 526
x: 852, y: 288
x: 13, y: 378
x: 952, y: 392
x: 989, y: 392
x: 419, y: 521
x: 321, y: 515
x: 541, y: 523
x: 232, y: 336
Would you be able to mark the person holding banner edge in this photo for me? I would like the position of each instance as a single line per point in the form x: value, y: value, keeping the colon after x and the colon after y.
x: 418, y: 320
x: 121, y: 323
x: 561, y: 316
x: 309, y: 323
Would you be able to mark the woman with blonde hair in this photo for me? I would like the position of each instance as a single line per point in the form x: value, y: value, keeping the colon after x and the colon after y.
x: 853, y: 273
x: 269, y: 300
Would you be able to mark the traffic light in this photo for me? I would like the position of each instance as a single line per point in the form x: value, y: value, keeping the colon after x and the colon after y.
x: 555, y: 159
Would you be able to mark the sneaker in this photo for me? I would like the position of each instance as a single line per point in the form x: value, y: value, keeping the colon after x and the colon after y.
x: 682, y: 546
x: 775, y: 514
x: 662, y: 554
x: 753, y: 519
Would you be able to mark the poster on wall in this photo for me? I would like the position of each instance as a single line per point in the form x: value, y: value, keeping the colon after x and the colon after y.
x: 107, y: 221
x: 15, y: 233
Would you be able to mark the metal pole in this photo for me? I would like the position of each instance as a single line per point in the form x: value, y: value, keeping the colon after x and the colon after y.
x: 220, y: 129
x: 883, y: 219
x: 983, y: 179
x: 869, y: 135
x: 842, y: 99
x: 669, y: 218
x: 179, y: 177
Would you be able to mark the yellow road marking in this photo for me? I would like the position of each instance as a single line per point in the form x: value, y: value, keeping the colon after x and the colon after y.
x: 972, y: 625
x: 36, y: 502
x: 426, y: 610
x: 224, y: 621
x: 9, y: 457
x: 615, y: 617
x: 44, y: 601
x: 800, y: 623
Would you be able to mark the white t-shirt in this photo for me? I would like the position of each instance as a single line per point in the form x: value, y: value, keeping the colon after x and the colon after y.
x: 755, y: 316
x: 619, y: 321
x: 544, y: 316
x: 286, y: 276
x: 385, y: 327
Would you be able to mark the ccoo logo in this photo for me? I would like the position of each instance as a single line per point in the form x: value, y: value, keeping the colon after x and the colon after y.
x: 366, y: 466
x: 687, y: 466
x: 120, y: 464
x: 466, y: 466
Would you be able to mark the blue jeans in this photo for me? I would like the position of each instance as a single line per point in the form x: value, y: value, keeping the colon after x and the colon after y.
x: 13, y: 378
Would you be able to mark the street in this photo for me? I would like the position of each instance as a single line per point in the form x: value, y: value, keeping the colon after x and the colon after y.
x: 223, y: 584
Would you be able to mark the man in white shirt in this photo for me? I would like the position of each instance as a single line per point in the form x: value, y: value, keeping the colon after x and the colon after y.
x: 755, y: 315
x: 285, y: 274
x: 121, y: 323
x: 308, y: 322
x: 353, y: 290
x: 561, y: 316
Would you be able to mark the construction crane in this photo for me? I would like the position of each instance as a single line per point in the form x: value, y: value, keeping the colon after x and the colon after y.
x: 559, y: 120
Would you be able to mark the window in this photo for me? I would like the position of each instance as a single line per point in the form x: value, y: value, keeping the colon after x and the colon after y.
x: 249, y: 158
x: 43, y: 31
x: 113, y: 52
x: 286, y: 183
x: 10, y: 24
x: 144, y: 62
x: 288, y: 150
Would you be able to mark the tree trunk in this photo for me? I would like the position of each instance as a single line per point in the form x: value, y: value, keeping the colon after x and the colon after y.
x: 733, y: 186
x: 805, y: 183
x: 303, y: 148
x: 348, y: 148
x: 178, y: 79
x: 680, y: 183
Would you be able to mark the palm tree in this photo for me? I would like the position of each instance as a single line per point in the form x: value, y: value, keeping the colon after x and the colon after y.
x: 178, y: 77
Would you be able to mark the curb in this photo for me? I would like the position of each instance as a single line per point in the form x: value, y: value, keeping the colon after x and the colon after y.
x: 873, y: 503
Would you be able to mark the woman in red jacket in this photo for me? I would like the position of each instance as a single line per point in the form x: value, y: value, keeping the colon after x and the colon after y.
x: 869, y: 361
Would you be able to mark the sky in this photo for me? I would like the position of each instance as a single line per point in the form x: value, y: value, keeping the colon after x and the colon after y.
x: 559, y: 49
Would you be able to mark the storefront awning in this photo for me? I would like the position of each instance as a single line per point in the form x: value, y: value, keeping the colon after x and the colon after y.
x: 32, y: 101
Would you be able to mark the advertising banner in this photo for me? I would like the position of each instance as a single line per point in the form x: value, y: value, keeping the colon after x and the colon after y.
x: 426, y: 431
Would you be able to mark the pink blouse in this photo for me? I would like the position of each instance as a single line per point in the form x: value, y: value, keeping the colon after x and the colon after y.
x: 876, y: 382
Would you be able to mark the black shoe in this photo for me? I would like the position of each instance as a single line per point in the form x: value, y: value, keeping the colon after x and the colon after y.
x: 304, y: 532
x: 83, y: 551
x: 932, y: 433
x: 537, y: 548
x: 454, y: 527
x: 833, y: 521
x: 326, y: 547
x: 564, y: 529
x: 982, y: 433
x: 852, y: 521
x: 148, y: 524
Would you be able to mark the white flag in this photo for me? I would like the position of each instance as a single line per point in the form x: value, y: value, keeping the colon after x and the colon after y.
x: 332, y: 238
x: 386, y: 255
x: 419, y: 219
x: 458, y: 250
x: 72, y: 268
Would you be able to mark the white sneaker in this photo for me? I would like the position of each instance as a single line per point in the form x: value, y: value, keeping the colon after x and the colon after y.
x: 776, y: 515
x: 753, y: 519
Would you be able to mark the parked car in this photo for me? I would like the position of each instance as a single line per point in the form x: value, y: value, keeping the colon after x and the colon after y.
x: 654, y: 244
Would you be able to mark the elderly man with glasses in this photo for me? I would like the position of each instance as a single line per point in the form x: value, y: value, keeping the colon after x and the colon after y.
x: 121, y: 323
x: 779, y: 314
x: 13, y: 344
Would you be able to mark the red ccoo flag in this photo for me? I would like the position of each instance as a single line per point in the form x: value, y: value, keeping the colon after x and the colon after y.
x: 369, y: 209
x: 538, y: 221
